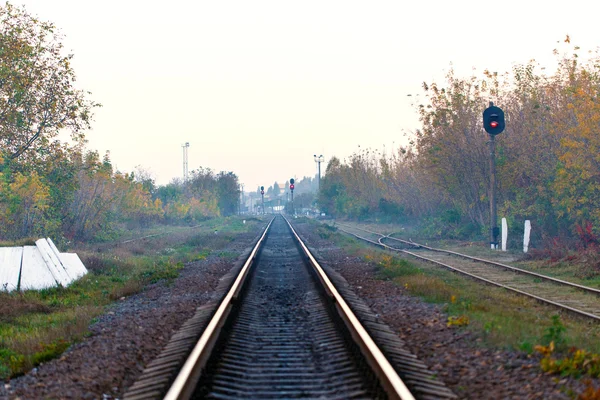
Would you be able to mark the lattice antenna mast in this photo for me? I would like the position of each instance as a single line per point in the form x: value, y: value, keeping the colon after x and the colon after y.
x: 185, y: 161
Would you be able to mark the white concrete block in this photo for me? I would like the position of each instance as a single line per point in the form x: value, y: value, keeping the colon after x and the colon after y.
x: 526, y: 236
x: 10, y: 267
x: 54, y: 265
x: 73, y: 264
x: 504, y: 234
x: 53, y: 246
x: 70, y: 261
x: 35, y: 274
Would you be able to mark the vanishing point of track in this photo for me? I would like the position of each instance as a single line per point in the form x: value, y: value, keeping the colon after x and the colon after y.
x: 286, y: 327
x: 573, y: 297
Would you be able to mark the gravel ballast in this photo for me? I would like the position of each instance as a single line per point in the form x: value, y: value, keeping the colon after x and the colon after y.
x: 135, y: 329
x: 468, y: 369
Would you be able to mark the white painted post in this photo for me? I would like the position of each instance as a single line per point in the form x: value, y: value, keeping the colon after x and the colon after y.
x: 504, y: 233
x: 526, y: 236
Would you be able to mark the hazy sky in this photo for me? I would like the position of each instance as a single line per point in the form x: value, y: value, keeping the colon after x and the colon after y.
x: 257, y: 87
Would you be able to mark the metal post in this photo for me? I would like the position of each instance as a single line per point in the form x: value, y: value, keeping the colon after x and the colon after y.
x: 185, y: 161
x: 494, y: 231
x: 319, y: 176
x: 319, y: 160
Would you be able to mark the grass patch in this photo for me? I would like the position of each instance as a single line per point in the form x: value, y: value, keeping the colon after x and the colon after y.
x: 501, y: 318
x: 35, y: 338
x: 37, y: 326
x: 325, y: 231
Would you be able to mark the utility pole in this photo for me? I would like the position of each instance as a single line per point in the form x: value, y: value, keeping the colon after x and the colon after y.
x: 319, y: 160
x: 185, y: 161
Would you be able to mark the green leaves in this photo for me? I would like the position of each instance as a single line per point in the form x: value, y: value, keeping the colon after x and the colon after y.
x: 37, y: 93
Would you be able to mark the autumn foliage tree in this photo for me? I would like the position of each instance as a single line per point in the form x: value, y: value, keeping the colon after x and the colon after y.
x: 37, y: 94
x: 547, y: 158
x: 49, y: 188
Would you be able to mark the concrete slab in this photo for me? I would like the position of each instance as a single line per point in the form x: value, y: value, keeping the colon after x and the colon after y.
x: 54, y: 265
x: 10, y: 267
x: 35, y: 274
x: 73, y: 264
x: 70, y: 261
x: 38, y: 267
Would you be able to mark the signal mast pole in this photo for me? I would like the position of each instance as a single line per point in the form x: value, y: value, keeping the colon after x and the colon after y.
x: 493, y: 207
x: 493, y: 123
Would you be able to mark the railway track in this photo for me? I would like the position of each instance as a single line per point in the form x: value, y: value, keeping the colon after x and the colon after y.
x: 285, y: 327
x: 575, y: 298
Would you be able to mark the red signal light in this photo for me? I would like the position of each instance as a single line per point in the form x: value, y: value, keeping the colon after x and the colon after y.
x: 292, y: 187
x: 262, y: 192
x: 494, y: 124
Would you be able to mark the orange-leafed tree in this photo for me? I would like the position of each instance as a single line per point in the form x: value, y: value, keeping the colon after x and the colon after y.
x: 23, y: 206
x: 577, y: 184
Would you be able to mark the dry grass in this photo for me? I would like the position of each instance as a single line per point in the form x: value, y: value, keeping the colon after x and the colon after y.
x: 40, y: 337
x: 13, y: 306
x: 429, y: 287
x: 502, y: 318
x: 36, y: 326
x: 130, y: 287
x: 18, y: 242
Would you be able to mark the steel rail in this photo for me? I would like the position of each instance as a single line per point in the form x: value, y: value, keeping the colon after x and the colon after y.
x: 392, y: 383
x: 184, y: 384
x: 490, y: 262
x: 541, y: 299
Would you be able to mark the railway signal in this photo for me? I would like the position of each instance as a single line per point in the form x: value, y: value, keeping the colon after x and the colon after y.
x: 292, y: 190
x: 493, y: 123
x: 262, y: 195
x: 493, y: 120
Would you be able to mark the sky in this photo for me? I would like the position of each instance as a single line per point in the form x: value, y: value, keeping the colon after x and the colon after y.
x: 258, y: 87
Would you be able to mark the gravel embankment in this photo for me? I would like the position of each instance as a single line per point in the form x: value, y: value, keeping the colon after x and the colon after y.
x: 469, y: 370
x: 126, y: 337
x: 134, y: 330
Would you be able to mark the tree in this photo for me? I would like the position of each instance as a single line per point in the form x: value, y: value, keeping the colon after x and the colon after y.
x: 24, y: 204
x: 452, y: 147
x: 577, y: 184
x: 228, y: 193
x: 37, y: 94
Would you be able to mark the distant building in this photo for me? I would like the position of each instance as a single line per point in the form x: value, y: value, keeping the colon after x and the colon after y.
x: 281, y: 187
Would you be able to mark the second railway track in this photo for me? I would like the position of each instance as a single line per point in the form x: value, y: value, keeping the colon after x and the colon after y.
x: 286, y: 332
x: 575, y: 298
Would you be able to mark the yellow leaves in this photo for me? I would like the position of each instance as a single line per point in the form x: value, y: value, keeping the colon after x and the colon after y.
x: 386, y: 260
x: 579, y: 362
x: 33, y: 194
x: 461, y: 320
x: 24, y: 203
x: 545, y: 350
